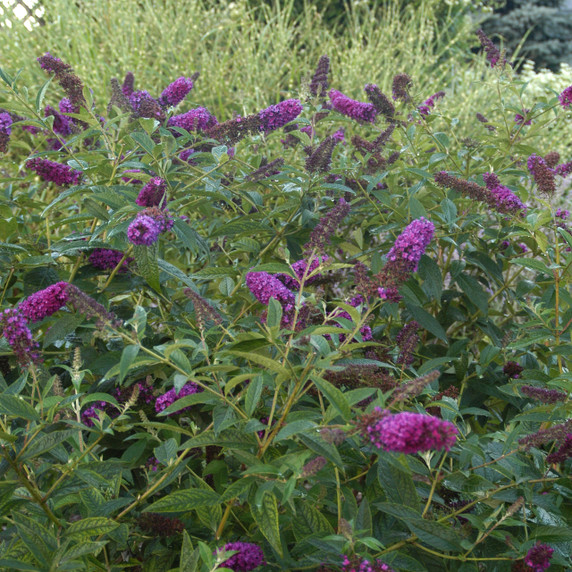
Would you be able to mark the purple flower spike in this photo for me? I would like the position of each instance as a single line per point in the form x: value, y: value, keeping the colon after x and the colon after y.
x: 264, y: 286
x: 198, y: 119
x: 107, y: 259
x: 45, y: 302
x: 543, y: 175
x: 408, y: 432
x: 538, y: 557
x: 171, y: 396
x: 57, y: 173
x: 276, y: 116
x: 5, y: 123
x: 152, y: 193
x: 505, y: 200
x: 176, y: 92
x: 365, y: 112
x: 5, y: 131
x: 519, y: 118
x: 565, y: 98
x: 248, y: 557
x: 143, y: 231
x: 412, y: 242
x: 426, y: 107
x: 62, y: 124
x: 14, y: 328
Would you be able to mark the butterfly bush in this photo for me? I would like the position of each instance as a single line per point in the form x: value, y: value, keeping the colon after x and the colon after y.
x: 301, y: 336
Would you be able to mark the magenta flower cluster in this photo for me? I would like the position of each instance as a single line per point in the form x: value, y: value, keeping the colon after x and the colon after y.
x: 265, y: 286
x: 171, y: 396
x: 198, y: 119
x: 412, y: 242
x: 409, y: 433
x: 404, y: 256
x: 506, y: 201
x: 146, y: 227
x: 152, y: 193
x: 5, y: 123
x: 14, y: 321
x: 276, y: 116
x: 360, y: 111
x: 538, y: 557
x: 15, y: 330
x: 44, y: 303
x: 63, y: 125
x: 108, y: 259
x: 357, y: 564
x: 426, y: 107
x: 175, y: 92
x: 248, y: 557
x: 302, y: 268
x: 57, y: 173
x: 565, y: 98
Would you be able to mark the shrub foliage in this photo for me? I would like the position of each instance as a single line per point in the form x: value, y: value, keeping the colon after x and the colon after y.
x: 325, y: 335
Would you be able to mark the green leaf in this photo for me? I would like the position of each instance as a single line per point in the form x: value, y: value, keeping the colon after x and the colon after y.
x: 532, y: 264
x: 140, y: 361
x: 264, y: 361
x: 396, y: 481
x: 147, y: 264
x: 91, y: 526
x: 253, y: 394
x: 166, y: 451
x: 428, y: 322
x: 127, y: 358
x: 274, y: 316
x: 187, y: 401
x: 436, y: 535
x: 334, y: 396
x: 46, y: 442
x: 309, y: 521
x: 144, y: 141
x: 184, y: 501
x: 474, y: 291
x: 237, y: 488
x: 82, y: 549
x: 443, y: 139
x: 226, y: 286
x: 432, y: 279
x: 566, y: 235
x: 41, y: 95
x: 231, y: 438
x: 189, y: 559
x: 16, y: 407
x: 363, y: 518
x: 214, y: 272
x: 266, y: 517
x: 322, y: 448
x: 294, y: 428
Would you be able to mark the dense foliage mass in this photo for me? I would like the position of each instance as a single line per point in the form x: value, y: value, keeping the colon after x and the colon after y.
x: 327, y: 334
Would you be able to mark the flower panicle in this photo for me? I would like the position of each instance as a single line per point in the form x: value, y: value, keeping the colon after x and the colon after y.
x: 357, y: 110
x: 400, y: 87
x: 328, y: 224
x: 61, y: 175
x: 408, y: 432
x: 319, y: 160
x: 414, y: 387
x: 65, y: 76
x: 319, y: 82
x: 176, y: 92
x: 203, y: 310
x: 265, y: 171
x: 380, y: 101
x: 543, y: 395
